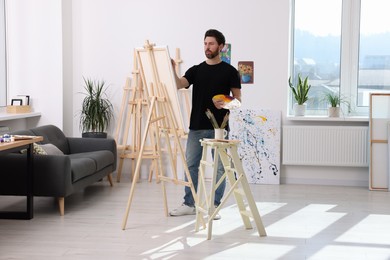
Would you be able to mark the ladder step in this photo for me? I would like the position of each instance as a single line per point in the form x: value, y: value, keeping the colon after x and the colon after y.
x: 247, y: 213
x: 204, y: 211
x: 206, y: 163
x: 239, y: 192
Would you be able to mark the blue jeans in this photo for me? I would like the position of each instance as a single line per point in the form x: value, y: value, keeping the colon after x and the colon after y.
x: 193, y: 156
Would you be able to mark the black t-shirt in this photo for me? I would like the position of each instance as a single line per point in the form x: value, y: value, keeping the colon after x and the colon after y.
x: 208, y: 81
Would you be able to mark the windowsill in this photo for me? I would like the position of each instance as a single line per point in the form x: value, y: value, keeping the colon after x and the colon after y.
x: 328, y: 119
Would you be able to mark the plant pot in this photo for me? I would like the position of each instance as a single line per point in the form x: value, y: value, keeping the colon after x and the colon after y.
x: 299, y: 110
x: 94, y: 135
x: 334, y: 111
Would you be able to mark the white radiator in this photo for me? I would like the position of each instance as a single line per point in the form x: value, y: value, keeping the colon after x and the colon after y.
x: 326, y: 145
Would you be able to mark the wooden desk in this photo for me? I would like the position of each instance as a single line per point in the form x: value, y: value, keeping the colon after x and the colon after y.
x: 18, y: 145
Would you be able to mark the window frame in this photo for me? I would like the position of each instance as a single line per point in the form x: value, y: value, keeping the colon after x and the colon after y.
x: 349, y: 57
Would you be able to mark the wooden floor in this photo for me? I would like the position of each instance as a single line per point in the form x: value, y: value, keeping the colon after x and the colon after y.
x: 302, y: 222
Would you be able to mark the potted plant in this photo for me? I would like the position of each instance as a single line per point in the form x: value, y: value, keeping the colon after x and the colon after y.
x: 96, y: 110
x: 301, y: 94
x: 334, y: 100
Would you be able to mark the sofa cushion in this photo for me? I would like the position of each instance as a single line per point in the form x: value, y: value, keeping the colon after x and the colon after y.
x: 101, y: 158
x: 37, y: 149
x: 51, y: 149
x: 54, y: 135
x: 85, y: 164
x: 81, y: 168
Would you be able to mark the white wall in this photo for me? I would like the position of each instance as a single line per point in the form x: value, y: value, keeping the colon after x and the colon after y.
x: 34, y: 45
x: 106, y: 32
x: 55, y: 46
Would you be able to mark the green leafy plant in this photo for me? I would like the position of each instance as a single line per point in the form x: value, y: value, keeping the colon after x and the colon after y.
x: 334, y: 99
x: 301, y: 90
x: 96, y: 109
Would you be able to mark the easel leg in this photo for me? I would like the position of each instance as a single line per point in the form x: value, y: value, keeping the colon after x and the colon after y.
x: 130, y: 199
x: 138, y: 166
x: 164, y: 190
x: 119, y: 173
x: 139, y: 161
x: 126, y: 91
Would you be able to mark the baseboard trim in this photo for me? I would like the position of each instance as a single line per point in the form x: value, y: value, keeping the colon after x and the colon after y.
x: 352, y: 183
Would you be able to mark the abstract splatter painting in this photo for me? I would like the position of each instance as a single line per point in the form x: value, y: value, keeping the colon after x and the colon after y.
x: 259, y: 149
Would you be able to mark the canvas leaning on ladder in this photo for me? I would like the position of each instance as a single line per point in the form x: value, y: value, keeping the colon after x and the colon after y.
x: 164, y: 121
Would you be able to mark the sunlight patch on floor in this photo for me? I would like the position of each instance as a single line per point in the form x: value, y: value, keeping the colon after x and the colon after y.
x: 172, y: 247
x: 183, y: 226
x: 253, y: 251
x: 373, y: 229
x: 231, y: 218
x: 351, y: 252
x: 305, y: 223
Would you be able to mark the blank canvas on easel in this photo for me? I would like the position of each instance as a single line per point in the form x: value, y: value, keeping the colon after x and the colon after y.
x: 165, y: 73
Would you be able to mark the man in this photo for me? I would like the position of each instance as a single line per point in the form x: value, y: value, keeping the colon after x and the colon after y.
x: 209, y: 78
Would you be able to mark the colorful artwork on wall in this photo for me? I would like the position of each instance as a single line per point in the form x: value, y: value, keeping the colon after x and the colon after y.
x: 246, y: 70
x: 226, y: 53
x: 259, y: 133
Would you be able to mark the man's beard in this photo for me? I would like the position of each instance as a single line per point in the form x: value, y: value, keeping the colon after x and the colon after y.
x: 211, y: 55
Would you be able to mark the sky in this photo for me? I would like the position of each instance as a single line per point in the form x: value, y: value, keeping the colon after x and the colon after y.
x: 323, y: 17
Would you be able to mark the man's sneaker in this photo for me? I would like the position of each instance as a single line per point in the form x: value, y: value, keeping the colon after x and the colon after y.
x: 183, y: 210
x: 217, y: 216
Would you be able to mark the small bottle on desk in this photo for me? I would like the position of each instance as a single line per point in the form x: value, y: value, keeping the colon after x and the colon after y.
x: 7, y: 138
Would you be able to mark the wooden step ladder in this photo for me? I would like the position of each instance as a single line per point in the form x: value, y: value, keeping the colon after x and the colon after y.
x: 239, y: 186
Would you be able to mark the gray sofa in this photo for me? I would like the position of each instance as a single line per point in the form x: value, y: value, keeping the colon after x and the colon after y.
x: 79, y: 162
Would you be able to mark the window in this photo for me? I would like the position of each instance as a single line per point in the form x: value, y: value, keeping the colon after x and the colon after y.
x: 343, y: 46
x: 3, y: 62
x: 374, y: 51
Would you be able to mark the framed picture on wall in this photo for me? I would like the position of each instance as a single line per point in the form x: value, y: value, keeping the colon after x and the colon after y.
x: 226, y: 53
x: 246, y: 70
x: 16, y: 102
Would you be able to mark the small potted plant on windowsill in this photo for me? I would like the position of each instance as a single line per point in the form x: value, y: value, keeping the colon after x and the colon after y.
x: 96, y: 110
x: 301, y: 94
x: 334, y: 100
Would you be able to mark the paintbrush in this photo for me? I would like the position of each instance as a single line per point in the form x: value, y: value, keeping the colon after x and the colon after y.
x: 225, y: 120
x: 210, y: 116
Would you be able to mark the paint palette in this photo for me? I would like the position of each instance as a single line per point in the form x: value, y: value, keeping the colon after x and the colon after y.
x: 229, y: 101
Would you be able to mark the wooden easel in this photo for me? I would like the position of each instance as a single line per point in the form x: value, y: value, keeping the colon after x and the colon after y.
x: 160, y: 123
x: 134, y: 107
x: 134, y: 104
